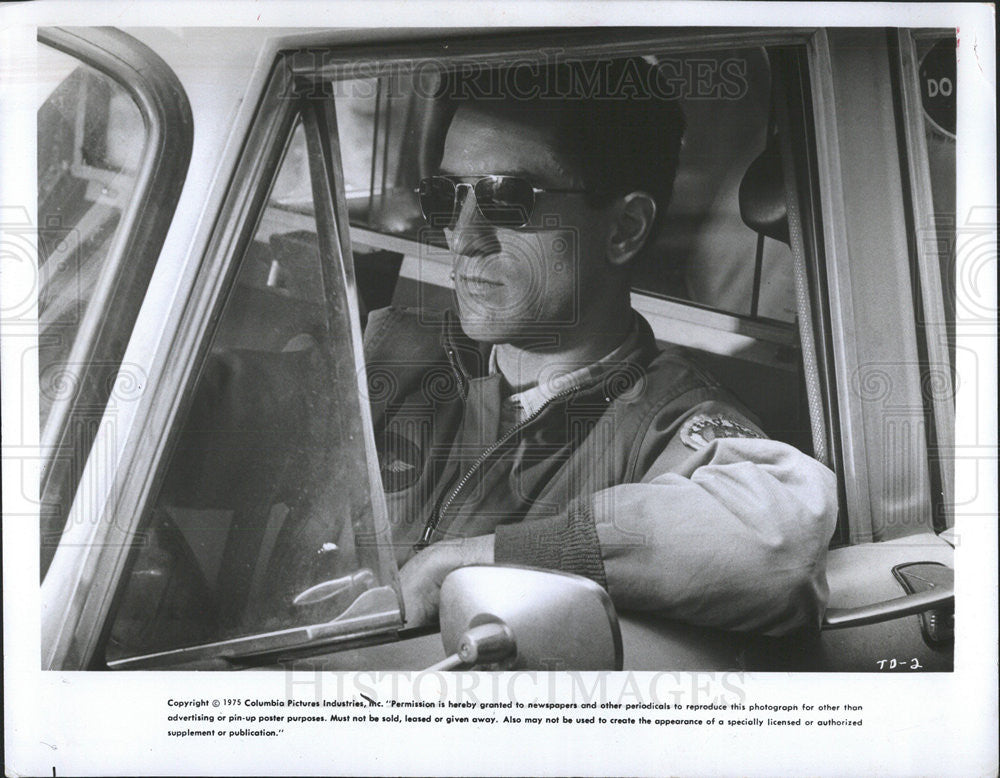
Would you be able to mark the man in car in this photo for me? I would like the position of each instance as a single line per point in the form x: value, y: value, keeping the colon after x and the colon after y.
x: 540, y: 423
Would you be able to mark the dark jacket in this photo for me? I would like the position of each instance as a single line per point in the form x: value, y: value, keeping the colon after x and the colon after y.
x: 650, y: 480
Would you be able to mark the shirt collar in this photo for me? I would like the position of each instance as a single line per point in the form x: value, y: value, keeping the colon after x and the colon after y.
x: 564, y: 377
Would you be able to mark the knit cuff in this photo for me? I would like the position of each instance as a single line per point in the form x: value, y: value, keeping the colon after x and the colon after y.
x: 567, y: 543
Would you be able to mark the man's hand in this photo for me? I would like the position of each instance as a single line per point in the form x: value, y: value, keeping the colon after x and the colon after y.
x: 422, y: 576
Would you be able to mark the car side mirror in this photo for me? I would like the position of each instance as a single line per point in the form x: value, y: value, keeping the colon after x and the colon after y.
x: 506, y: 617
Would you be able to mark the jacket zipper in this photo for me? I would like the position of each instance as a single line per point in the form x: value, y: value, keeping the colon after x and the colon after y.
x: 462, y: 381
x: 435, y: 519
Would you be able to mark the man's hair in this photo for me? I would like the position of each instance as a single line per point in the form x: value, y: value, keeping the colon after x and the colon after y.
x: 611, y: 116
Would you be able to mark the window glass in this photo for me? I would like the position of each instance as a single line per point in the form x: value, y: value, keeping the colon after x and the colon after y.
x: 378, y: 122
x: 91, y: 137
x: 255, y: 527
x: 703, y: 253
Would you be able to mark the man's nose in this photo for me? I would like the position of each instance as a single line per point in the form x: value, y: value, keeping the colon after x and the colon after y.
x: 472, y: 235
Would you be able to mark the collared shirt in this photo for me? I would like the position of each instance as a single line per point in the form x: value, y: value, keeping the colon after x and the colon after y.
x: 559, y: 377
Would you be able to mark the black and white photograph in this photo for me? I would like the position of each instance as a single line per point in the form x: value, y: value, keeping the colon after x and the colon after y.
x: 518, y: 358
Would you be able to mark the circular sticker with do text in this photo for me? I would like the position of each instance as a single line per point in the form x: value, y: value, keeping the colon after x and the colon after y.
x: 937, y: 86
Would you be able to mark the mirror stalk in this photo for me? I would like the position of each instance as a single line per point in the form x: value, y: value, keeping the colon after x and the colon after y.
x: 484, y: 644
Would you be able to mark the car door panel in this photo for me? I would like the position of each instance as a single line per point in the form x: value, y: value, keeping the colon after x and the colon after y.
x: 863, y: 574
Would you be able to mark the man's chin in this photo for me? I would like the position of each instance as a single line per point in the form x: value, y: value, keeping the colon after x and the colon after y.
x: 491, y: 329
x: 485, y: 331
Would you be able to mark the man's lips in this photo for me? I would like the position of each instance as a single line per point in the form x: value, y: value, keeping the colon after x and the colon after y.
x: 473, y: 273
x: 479, y: 280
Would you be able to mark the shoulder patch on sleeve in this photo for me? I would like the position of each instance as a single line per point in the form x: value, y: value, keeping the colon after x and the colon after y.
x: 702, y: 428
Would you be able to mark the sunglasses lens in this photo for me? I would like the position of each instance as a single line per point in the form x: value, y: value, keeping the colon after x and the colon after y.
x: 437, y: 201
x: 506, y: 201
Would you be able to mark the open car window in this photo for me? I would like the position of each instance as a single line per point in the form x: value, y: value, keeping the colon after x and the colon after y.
x: 708, y: 280
x: 702, y: 252
x: 263, y: 534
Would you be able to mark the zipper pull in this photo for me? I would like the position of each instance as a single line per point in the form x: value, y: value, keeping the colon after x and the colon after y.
x: 425, y: 539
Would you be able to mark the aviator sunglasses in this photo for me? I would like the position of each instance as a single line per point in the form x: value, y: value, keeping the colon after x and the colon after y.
x: 503, y: 201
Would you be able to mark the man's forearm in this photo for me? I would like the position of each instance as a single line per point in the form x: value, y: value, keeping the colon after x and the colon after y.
x: 737, y: 545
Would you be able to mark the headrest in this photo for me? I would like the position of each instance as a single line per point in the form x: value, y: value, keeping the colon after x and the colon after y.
x: 762, y: 194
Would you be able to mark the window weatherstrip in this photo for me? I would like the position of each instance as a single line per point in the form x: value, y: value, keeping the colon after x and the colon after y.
x: 814, y: 398
x: 394, y: 57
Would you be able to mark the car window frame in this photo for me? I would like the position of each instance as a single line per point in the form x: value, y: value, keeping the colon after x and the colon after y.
x: 758, y: 340
x: 110, y: 314
x: 873, y: 506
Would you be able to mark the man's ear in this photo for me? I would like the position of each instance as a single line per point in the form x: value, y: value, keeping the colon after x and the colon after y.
x: 633, y: 217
